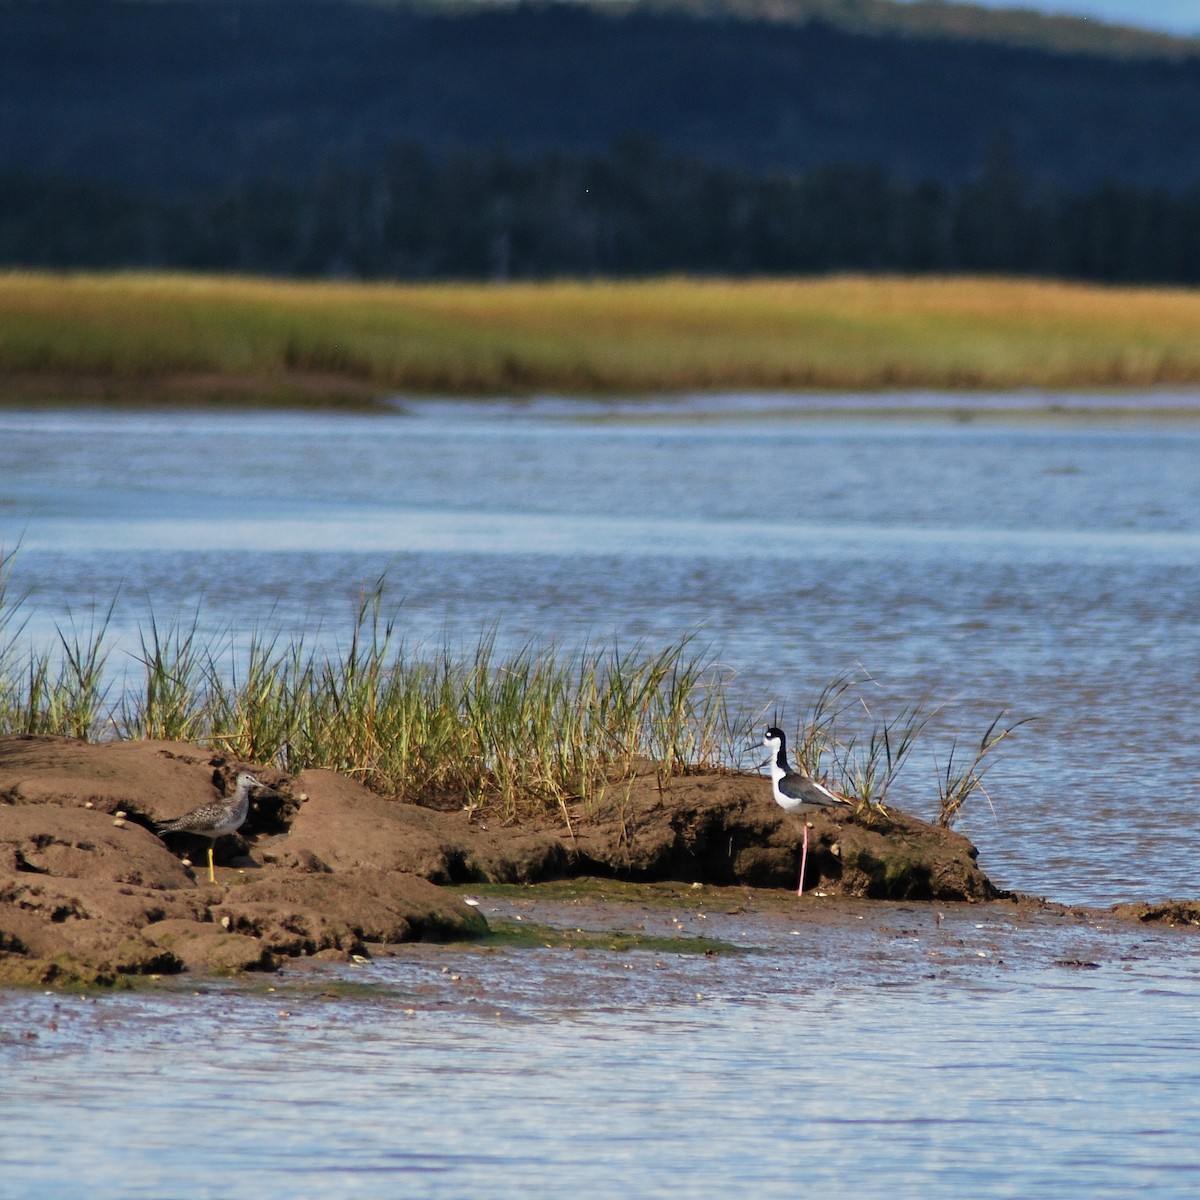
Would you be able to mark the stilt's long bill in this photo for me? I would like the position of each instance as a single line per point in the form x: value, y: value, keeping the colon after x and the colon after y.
x: 796, y: 791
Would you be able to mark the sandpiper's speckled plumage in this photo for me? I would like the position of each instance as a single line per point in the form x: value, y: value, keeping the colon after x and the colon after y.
x: 217, y: 818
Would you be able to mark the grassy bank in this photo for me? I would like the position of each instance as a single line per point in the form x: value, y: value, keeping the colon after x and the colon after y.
x: 156, y: 337
x: 519, y: 734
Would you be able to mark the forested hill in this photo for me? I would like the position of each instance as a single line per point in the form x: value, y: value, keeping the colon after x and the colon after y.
x: 169, y: 97
x: 1015, y: 26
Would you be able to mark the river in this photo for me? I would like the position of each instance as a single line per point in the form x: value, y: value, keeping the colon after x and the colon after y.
x: 1022, y: 552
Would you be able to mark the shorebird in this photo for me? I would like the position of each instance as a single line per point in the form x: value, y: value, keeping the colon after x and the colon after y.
x: 797, y: 791
x: 217, y: 818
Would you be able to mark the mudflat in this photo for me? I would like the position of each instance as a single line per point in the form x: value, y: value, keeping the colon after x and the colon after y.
x: 324, y: 869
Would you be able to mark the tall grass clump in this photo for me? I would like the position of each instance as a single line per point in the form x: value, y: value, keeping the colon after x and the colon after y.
x: 962, y: 775
x: 816, y: 738
x: 523, y: 732
x: 860, y: 752
x: 80, y: 691
x: 255, y: 706
x: 518, y: 733
x: 872, y: 759
x: 172, y: 705
x: 60, y: 691
x: 11, y: 625
x: 845, y: 743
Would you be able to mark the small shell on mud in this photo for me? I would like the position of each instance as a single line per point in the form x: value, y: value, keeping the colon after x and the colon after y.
x: 226, y: 922
x: 119, y: 823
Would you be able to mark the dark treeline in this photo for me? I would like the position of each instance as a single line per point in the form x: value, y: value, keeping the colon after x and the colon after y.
x: 635, y: 210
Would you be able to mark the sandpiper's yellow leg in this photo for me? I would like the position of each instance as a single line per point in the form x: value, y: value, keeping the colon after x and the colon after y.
x: 212, y: 878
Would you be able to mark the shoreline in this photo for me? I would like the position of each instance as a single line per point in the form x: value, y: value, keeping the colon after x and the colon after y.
x: 325, y: 871
x: 1166, y: 404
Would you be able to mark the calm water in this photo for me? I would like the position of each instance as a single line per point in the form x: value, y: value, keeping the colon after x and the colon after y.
x: 1052, y: 567
x: 895, y: 1057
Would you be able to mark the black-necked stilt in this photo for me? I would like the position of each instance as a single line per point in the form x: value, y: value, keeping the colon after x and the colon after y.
x: 797, y: 792
x: 217, y: 818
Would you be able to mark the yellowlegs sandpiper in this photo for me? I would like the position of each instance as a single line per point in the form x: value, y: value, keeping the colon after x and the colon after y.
x: 217, y: 818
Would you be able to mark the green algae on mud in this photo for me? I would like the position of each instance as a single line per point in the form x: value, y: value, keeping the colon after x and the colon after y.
x: 523, y: 934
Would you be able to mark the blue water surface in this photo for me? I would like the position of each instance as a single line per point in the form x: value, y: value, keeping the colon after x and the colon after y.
x: 978, y: 553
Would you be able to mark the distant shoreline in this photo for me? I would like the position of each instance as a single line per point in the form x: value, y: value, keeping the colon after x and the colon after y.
x: 876, y: 345
x: 1159, y: 405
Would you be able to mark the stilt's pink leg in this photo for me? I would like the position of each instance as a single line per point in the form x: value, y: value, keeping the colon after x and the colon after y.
x: 803, y: 861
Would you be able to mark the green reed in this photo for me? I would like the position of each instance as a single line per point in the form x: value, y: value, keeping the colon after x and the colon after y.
x: 871, y: 759
x: 817, y: 737
x: 961, y: 778
x: 518, y: 733
x: 525, y: 732
x: 62, y: 691
x: 859, y: 752
x: 172, y: 704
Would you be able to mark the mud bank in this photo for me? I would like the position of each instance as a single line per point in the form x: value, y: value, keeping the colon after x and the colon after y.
x: 324, y: 868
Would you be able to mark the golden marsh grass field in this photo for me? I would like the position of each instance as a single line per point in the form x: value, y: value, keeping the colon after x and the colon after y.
x: 179, y: 337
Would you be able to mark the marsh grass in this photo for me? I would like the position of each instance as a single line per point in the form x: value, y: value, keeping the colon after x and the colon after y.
x: 60, y: 691
x: 845, y: 741
x: 224, y: 337
x: 852, y: 749
x: 533, y: 731
x: 79, y: 694
x: 170, y: 707
x: 12, y: 624
x: 872, y: 758
x: 816, y: 740
x: 520, y: 733
x: 962, y: 776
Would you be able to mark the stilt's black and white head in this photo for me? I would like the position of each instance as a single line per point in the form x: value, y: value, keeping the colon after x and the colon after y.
x: 776, y: 741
